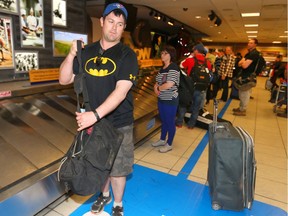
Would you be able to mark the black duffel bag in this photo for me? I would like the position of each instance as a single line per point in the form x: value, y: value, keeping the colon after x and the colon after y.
x: 88, y: 162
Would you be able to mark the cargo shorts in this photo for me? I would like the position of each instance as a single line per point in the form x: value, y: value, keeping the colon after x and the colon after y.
x: 123, y: 164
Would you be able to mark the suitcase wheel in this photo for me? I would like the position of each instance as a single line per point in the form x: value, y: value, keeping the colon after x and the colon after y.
x: 249, y: 205
x: 216, y: 206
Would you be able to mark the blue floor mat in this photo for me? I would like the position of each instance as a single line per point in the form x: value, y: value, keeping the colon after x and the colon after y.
x: 153, y: 193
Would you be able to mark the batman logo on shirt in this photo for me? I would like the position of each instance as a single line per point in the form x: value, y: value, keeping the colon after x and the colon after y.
x: 100, y: 66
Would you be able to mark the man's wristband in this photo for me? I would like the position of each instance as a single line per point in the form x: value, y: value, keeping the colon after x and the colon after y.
x: 96, y: 115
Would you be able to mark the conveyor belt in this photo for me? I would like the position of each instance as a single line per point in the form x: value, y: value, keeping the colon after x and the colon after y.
x: 37, y: 128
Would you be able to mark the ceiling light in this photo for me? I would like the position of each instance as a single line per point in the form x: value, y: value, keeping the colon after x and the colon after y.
x: 207, y: 39
x: 212, y: 15
x: 252, y: 36
x: 217, y: 22
x: 171, y: 22
x: 276, y: 42
x: 156, y: 16
x: 251, y: 25
x: 251, y: 32
x: 283, y: 36
x: 250, y: 14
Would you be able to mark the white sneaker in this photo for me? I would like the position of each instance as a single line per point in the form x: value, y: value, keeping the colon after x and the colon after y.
x: 159, y: 143
x: 165, y: 148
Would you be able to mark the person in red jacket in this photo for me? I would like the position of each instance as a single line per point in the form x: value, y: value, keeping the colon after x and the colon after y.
x: 199, y: 95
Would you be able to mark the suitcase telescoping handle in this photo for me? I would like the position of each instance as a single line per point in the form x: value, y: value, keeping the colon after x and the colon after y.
x: 215, y: 113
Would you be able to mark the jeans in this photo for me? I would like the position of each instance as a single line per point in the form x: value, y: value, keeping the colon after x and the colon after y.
x: 203, y: 95
x: 195, y: 107
x: 244, y: 97
x: 180, y: 115
x: 215, y: 88
x: 197, y: 100
x: 167, y: 114
x: 225, y: 88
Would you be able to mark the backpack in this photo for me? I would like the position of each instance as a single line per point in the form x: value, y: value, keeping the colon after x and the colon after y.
x: 185, y: 89
x: 200, y: 75
x: 261, y: 65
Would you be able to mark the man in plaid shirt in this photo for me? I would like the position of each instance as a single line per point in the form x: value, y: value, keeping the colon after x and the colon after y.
x: 226, y: 71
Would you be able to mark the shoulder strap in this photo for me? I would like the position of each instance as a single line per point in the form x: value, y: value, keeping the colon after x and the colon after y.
x: 79, y: 50
x: 196, y: 63
x: 254, y: 72
x: 79, y: 81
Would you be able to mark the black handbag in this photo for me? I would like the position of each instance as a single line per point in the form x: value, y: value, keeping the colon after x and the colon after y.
x: 87, y: 164
x: 247, y: 83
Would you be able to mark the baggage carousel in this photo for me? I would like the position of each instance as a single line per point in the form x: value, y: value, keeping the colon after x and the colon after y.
x: 37, y: 127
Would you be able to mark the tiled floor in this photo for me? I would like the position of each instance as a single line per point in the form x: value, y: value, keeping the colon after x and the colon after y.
x: 270, y: 137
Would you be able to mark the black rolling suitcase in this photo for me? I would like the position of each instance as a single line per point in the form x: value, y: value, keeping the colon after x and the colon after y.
x: 231, y: 166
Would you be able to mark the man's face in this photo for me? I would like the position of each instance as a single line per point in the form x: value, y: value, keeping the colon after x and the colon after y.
x: 228, y: 51
x: 195, y: 52
x: 113, y: 27
x: 251, y: 44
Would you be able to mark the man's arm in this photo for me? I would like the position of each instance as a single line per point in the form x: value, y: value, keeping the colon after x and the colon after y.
x: 110, y: 104
x: 244, y: 63
x: 115, y: 98
x: 181, y: 64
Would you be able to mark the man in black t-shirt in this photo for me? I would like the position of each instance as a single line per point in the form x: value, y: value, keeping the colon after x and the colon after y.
x: 111, y: 70
x: 248, y: 65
